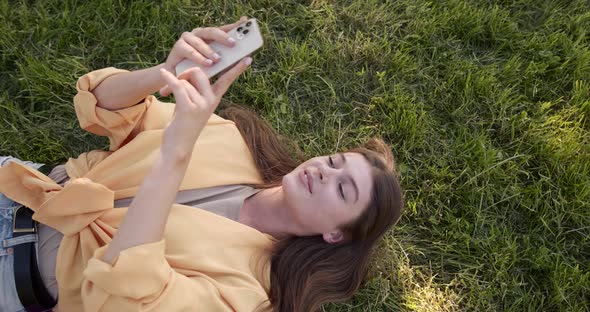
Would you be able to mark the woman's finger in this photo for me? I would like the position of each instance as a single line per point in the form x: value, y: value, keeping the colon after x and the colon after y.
x: 184, y: 92
x: 176, y: 86
x: 189, y: 52
x: 201, y: 82
x: 165, y: 90
x: 200, y: 46
x: 229, y: 27
x: 223, y: 83
x: 185, y: 75
x: 192, y: 93
x: 214, y: 34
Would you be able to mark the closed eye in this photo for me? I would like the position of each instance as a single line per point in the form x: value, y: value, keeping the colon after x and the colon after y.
x: 340, y: 189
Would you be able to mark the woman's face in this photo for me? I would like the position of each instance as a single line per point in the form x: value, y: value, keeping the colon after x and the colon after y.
x: 327, y: 192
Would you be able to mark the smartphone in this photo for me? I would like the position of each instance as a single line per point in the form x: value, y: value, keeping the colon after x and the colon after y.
x: 248, y: 40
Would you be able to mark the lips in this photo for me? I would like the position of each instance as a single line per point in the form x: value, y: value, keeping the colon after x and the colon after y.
x: 306, y: 180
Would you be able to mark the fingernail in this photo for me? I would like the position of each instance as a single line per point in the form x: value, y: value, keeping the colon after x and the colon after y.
x: 209, y: 62
x: 231, y: 40
x: 216, y: 56
x: 248, y: 61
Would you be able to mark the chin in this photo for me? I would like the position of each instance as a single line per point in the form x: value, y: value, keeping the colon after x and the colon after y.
x: 287, y: 184
x: 291, y: 189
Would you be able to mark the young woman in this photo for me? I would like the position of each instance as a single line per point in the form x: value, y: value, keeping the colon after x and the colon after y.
x: 189, y: 211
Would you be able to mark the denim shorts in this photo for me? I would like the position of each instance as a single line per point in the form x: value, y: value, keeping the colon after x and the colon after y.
x: 9, y: 301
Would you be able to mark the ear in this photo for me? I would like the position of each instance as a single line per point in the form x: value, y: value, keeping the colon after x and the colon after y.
x: 333, y: 237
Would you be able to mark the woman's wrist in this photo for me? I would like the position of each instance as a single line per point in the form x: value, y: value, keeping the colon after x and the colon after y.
x: 178, y: 143
x: 156, y: 78
x: 169, y: 67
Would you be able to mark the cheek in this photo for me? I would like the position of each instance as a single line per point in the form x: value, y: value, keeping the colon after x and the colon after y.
x: 330, y: 197
x: 322, y: 212
x: 336, y: 209
x: 327, y: 202
x: 328, y: 211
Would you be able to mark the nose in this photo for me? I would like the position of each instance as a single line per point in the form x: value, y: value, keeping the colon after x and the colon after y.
x: 326, y: 173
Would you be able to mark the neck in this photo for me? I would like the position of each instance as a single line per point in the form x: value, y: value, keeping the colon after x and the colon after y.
x: 266, y: 212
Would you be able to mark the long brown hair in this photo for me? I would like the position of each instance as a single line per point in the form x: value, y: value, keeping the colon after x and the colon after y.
x: 307, y: 272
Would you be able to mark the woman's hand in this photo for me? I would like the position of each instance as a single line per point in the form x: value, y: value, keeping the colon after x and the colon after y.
x: 194, y: 45
x: 196, y: 100
x: 127, y: 89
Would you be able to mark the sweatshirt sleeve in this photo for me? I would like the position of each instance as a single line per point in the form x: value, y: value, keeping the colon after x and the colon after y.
x: 121, y: 125
x: 142, y: 280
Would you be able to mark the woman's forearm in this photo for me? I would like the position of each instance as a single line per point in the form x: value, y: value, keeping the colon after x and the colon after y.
x: 127, y: 89
x: 148, y: 213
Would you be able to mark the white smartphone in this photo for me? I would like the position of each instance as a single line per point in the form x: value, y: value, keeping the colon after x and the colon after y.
x: 248, y: 39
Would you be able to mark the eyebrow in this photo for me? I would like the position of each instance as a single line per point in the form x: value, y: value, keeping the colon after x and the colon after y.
x: 356, y: 188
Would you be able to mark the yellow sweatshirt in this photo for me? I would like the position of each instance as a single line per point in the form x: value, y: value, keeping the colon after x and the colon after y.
x: 204, y: 263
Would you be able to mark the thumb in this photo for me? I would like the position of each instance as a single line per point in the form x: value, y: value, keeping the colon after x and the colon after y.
x: 169, y: 79
x: 229, y: 27
x: 225, y: 81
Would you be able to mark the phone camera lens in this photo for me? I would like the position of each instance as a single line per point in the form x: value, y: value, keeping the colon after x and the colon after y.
x: 248, y: 24
x: 246, y: 31
x: 240, y: 29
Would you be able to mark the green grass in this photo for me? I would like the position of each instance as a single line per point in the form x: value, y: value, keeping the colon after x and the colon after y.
x: 485, y: 103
